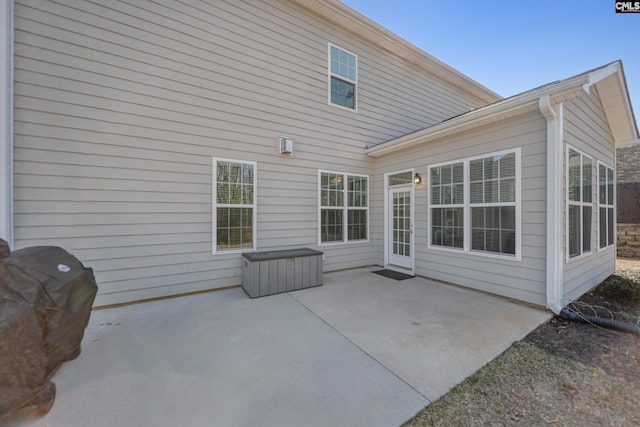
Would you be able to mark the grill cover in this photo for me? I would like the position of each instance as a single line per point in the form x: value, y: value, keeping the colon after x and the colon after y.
x: 46, y: 296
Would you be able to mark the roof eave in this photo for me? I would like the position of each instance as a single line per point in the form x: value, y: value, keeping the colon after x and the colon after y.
x: 450, y: 127
x: 354, y: 22
x: 509, y: 107
x: 611, y: 85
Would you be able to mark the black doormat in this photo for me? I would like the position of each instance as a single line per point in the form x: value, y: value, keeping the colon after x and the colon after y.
x: 393, y: 274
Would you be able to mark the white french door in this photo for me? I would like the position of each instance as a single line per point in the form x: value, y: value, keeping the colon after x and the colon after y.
x: 400, y: 228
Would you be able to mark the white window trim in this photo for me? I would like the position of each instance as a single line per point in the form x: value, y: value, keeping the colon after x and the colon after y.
x: 606, y: 205
x: 467, y: 208
x: 344, y: 208
x: 330, y: 74
x: 215, y: 205
x: 581, y: 203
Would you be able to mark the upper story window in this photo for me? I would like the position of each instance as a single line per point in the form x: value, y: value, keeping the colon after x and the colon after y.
x: 579, y: 203
x: 343, y: 77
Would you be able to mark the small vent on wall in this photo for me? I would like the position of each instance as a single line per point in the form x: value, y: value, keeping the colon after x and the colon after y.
x: 286, y: 145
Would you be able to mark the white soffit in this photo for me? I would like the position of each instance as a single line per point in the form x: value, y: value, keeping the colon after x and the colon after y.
x: 614, y: 96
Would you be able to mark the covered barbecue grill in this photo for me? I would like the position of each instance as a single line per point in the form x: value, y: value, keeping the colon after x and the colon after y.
x: 46, y: 296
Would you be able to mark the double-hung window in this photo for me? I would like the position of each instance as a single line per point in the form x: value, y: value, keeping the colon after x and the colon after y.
x: 475, y: 204
x: 234, y: 210
x: 579, y: 203
x: 343, y: 77
x: 447, y: 205
x: 606, y: 211
x: 344, y: 207
x: 493, y: 203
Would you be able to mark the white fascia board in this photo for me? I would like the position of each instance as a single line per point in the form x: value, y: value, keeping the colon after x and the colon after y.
x: 601, y: 74
x: 614, y: 95
x: 458, y: 124
x: 6, y: 121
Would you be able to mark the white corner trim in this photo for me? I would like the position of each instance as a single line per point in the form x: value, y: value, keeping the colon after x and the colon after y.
x: 6, y: 121
x: 554, y: 277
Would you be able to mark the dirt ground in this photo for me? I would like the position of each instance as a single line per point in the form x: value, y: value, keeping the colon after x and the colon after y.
x: 590, y: 344
x: 562, y: 373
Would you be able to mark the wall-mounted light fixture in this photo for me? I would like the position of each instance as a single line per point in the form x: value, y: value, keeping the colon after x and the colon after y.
x: 417, y: 179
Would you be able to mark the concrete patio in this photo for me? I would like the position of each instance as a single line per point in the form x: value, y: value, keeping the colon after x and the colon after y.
x: 361, y: 350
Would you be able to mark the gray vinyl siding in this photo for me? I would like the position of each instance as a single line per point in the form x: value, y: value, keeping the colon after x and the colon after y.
x: 120, y: 108
x: 586, y: 129
x: 524, y: 279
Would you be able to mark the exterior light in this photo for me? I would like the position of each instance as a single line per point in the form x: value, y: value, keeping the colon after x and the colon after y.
x: 417, y: 179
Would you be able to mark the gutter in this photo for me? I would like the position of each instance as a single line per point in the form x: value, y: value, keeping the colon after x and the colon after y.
x: 527, y: 101
x: 457, y: 124
x: 554, y: 279
x: 6, y: 121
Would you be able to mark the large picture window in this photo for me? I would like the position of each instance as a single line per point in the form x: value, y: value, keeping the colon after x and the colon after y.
x: 579, y: 202
x: 606, y: 206
x: 344, y: 207
x: 343, y: 76
x: 234, y: 202
x: 474, y: 204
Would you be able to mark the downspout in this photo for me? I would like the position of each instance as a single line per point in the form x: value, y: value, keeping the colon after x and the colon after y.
x: 554, y: 116
x: 6, y: 121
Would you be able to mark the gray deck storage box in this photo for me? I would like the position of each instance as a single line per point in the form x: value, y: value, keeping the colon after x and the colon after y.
x: 272, y: 272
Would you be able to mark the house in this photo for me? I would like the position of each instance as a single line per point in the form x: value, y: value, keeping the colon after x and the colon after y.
x: 157, y: 142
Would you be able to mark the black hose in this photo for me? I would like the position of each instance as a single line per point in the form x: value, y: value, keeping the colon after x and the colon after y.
x: 600, y: 321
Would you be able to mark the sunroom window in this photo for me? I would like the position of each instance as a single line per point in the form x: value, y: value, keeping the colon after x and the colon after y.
x: 579, y: 203
x: 474, y: 204
x: 606, y: 206
x: 493, y: 203
x: 447, y: 205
